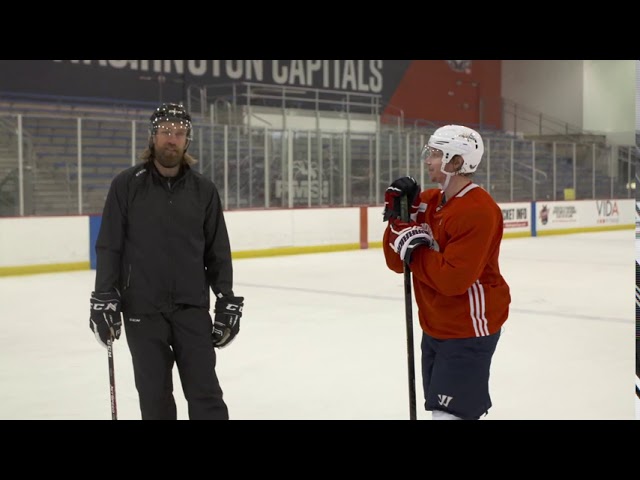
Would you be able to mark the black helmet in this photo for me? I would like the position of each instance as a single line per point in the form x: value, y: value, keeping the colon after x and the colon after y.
x: 170, y: 112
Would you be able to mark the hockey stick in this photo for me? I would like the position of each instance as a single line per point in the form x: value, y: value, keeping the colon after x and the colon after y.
x: 112, y: 380
x: 404, y: 215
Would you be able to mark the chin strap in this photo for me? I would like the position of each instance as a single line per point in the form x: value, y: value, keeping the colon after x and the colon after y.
x: 444, y: 186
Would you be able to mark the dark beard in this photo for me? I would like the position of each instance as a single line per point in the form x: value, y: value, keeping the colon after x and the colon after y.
x: 168, y: 158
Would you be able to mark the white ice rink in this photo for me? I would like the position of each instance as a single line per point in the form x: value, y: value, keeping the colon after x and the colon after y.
x: 323, y: 337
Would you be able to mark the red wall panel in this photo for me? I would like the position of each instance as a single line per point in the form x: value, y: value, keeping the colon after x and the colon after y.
x: 434, y: 91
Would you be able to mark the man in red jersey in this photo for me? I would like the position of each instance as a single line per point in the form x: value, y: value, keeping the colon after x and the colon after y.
x: 451, y: 244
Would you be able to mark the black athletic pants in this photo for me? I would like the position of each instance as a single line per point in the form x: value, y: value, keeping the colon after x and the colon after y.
x: 183, y: 336
x: 455, y: 374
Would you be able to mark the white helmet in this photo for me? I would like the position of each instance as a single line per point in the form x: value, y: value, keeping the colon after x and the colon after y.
x: 457, y: 140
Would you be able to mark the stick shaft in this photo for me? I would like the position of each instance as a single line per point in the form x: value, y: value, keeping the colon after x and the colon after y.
x: 112, y: 381
x: 404, y: 214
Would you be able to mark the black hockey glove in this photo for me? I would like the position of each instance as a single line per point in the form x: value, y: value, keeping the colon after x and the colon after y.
x: 402, y: 187
x: 226, y: 323
x: 105, y: 320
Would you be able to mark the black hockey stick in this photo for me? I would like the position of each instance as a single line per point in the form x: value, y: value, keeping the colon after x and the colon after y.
x: 112, y: 380
x: 404, y: 215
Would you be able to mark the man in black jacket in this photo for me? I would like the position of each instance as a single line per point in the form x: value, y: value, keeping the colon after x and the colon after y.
x: 163, y: 243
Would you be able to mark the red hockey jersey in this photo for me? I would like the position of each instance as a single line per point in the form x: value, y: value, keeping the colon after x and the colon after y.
x: 459, y: 289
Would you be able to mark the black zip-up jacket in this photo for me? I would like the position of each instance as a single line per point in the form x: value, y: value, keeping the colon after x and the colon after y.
x: 163, y: 241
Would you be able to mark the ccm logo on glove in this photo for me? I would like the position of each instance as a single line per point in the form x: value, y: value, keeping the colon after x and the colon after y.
x: 226, y: 323
x: 105, y: 306
x: 105, y: 320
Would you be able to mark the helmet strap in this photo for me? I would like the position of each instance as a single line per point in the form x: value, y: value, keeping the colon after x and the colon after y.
x: 443, y: 186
